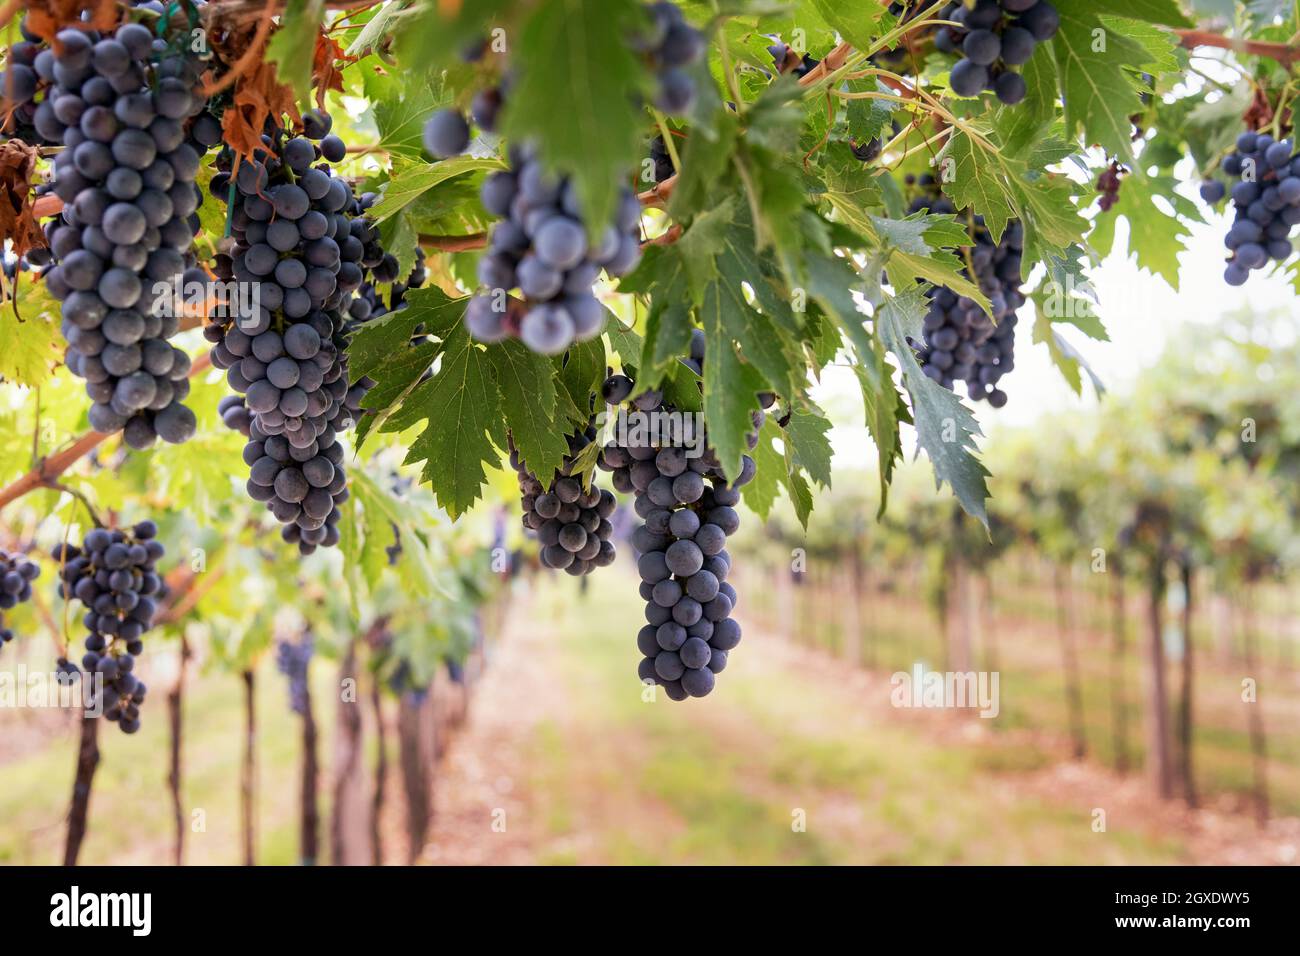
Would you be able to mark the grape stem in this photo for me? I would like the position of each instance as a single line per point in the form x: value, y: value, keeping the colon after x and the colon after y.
x: 79, y: 496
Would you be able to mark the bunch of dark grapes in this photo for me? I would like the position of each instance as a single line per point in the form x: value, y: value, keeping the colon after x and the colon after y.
x: 788, y: 60
x: 572, y: 524
x: 300, y: 238
x: 235, y: 414
x: 16, y: 577
x: 1108, y: 184
x: 905, y: 12
x: 113, y: 574
x: 994, y: 37
x: 119, y: 103
x: 1266, y: 199
x: 670, y: 46
x: 29, y: 69
x: 660, y: 160
x: 688, y: 510
x: 961, y: 342
x: 293, y: 658
x: 541, y: 248
x: 367, y: 303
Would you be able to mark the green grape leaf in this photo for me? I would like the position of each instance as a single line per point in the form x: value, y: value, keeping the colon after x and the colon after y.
x: 577, y: 82
x: 461, y: 409
x: 731, y: 387
x: 1155, y: 236
x: 830, y: 283
x: 526, y: 383
x: 437, y: 33
x: 398, y: 236
x: 293, y: 50
x: 389, y: 20
x: 401, y: 105
x: 857, y: 22
x: 945, y: 428
x: 1152, y: 11
x: 1022, y: 125
x: 29, y: 334
x: 1064, y: 356
x: 885, y: 409
x: 699, y: 246
x: 770, y: 472
x: 411, y: 181
x: 380, y: 340
x: 808, y: 443
x: 1001, y: 189
x: 1097, y: 66
x: 913, y: 254
x: 580, y: 372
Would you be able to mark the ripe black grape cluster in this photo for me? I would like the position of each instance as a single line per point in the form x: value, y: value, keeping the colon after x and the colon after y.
x: 541, y: 248
x: 113, y: 574
x: 660, y: 160
x: 790, y: 61
x: 118, y: 103
x: 671, y: 46
x: 1266, y: 199
x: 572, y: 523
x: 16, y: 576
x: 300, y: 238
x: 292, y: 659
x: 367, y: 303
x: 23, y: 86
x: 994, y: 37
x: 688, y: 511
x: 904, y: 11
x: 961, y: 342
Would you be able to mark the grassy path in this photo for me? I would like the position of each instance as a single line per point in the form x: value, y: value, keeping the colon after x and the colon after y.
x: 587, y: 772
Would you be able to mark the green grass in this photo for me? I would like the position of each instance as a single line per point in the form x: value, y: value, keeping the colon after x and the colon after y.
x: 899, y: 630
x: 724, y: 780
x: 131, y: 812
x: 614, y: 779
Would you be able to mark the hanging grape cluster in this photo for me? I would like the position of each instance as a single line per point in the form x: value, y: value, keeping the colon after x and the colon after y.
x: 1265, y: 200
x: 367, y: 303
x: 961, y: 342
x: 671, y: 46
x: 301, y: 240
x: 905, y: 11
x: 688, y: 511
x: 541, y: 248
x: 119, y: 103
x: 24, y: 85
x: 787, y: 60
x: 995, y: 37
x: 660, y: 160
x: 16, y: 576
x: 113, y: 574
x: 572, y: 522
x: 293, y: 659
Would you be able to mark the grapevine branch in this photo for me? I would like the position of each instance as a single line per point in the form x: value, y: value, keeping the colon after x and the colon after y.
x: 52, y: 466
x: 1284, y: 53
